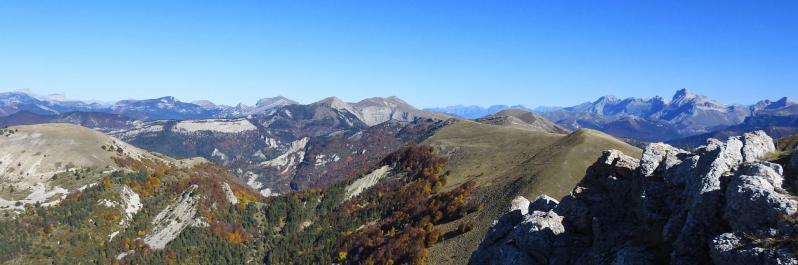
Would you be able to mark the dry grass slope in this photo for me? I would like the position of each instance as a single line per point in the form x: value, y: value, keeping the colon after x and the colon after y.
x: 33, y: 154
x: 506, y: 162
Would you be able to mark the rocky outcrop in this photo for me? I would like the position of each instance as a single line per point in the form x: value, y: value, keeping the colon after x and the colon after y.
x: 793, y: 164
x: 659, y: 157
x: 756, y: 145
x: 523, y: 236
x: 715, y: 205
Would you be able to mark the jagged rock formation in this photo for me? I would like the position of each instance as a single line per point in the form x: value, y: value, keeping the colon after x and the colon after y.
x: 716, y: 205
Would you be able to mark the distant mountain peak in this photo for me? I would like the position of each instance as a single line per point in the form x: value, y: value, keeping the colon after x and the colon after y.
x: 682, y: 94
x: 333, y: 102
x: 785, y: 101
x: 274, y: 102
x: 206, y: 104
x: 607, y: 98
x: 338, y: 104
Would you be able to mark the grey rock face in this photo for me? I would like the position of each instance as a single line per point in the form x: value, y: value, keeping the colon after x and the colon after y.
x: 756, y: 145
x: 712, y: 206
x: 659, y: 157
x: 753, y: 202
x: 543, y: 203
x: 529, y: 241
x: 520, y: 203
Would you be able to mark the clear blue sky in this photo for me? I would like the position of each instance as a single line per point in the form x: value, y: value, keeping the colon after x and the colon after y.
x: 431, y: 53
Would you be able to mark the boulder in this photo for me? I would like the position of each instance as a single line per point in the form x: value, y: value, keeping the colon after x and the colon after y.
x: 617, y: 159
x: 659, y: 157
x: 756, y: 145
x: 519, y: 239
x: 521, y: 204
x: 535, y: 235
x: 753, y: 201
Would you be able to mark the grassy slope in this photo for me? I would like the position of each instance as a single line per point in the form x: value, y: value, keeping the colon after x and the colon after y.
x: 35, y: 153
x: 507, y: 162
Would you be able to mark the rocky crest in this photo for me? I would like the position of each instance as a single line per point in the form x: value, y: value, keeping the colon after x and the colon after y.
x: 716, y: 205
x: 794, y: 160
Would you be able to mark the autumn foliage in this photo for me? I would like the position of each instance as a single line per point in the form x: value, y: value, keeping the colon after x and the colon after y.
x: 409, y: 212
x: 234, y: 234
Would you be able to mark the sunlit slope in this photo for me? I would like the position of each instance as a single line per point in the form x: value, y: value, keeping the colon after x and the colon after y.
x: 32, y: 157
x: 507, y: 162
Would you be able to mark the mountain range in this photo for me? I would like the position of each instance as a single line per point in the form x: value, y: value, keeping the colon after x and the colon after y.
x: 277, y: 146
x: 686, y: 119
x: 684, y: 115
x: 370, y: 111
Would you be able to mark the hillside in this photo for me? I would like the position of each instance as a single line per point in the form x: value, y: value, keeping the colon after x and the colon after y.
x: 152, y: 211
x: 505, y: 162
x: 34, y: 156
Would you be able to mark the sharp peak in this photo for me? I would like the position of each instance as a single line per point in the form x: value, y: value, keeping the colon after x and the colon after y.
x: 786, y: 100
x: 684, y: 93
x: 607, y: 98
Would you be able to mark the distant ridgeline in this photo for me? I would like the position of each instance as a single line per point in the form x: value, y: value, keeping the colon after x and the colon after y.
x: 686, y: 119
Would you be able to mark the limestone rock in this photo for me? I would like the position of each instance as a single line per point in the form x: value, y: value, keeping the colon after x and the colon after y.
x: 521, y: 204
x: 535, y: 235
x: 756, y: 145
x: 753, y: 202
x: 520, y: 239
x: 618, y: 159
x: 659, y: 156
x: 543, y: 203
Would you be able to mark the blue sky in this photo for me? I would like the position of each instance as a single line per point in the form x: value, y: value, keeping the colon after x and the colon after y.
x: 431, y: 53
